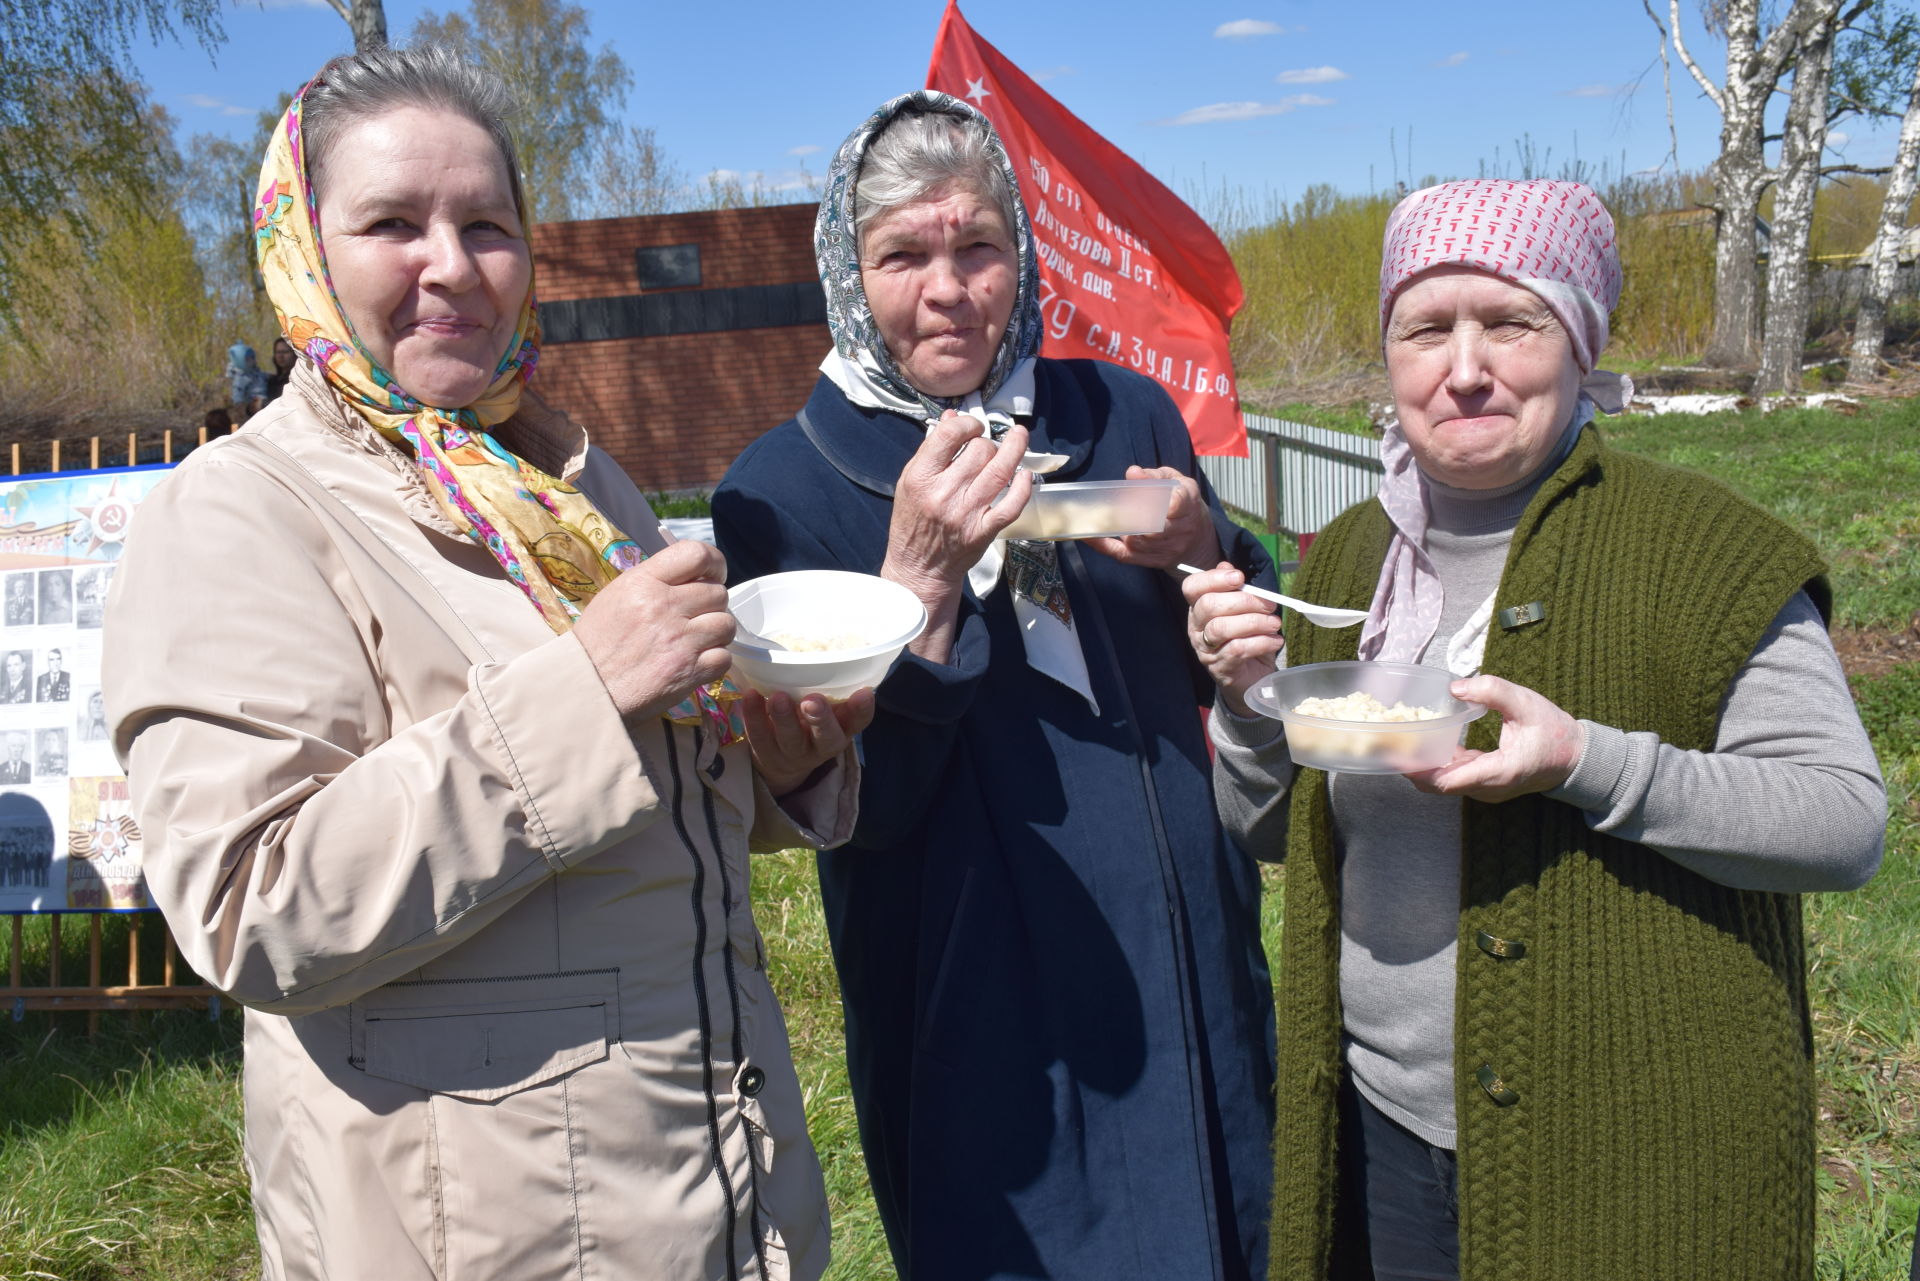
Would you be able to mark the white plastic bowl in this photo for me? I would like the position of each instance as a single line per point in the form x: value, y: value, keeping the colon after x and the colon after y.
x: 1366, y: 747
x: 823, y: 604
x: 1095, y: 509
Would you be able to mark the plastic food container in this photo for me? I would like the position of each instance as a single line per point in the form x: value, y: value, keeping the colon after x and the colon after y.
x: 864, y: 620
x: 1095, y: 509
x: 1367, y: 747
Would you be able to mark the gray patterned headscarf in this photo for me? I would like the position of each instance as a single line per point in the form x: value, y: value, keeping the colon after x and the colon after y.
x: 836, y: 247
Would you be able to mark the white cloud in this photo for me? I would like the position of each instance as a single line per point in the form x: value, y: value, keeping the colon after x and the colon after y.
x: 1452, y: 60
x: 210, y: 103
x: 1310, y: 76
x: 1246, y: 29
x: 1051, y: 73
x: 805, y: 149
x: 1838, y: 138
x: 1591, y: 91
x: 1218, y: 111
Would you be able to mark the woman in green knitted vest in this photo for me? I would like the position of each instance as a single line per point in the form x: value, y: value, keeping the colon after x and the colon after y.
x: 1542, y: 1011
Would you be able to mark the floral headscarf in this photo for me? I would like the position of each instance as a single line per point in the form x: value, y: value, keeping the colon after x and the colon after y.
x: 836, y: 246
x: 549, y: 538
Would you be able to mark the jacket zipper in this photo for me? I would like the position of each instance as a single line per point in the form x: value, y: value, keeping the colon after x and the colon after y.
x: 700, y: 993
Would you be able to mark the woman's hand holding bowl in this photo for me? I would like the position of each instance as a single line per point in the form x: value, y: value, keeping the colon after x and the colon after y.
x: 1236, y: 635
x: 791, y: 741
x: 1188, y: 538
x: 946, y: 509
x: 660, y: 630
x: 1539, y: 746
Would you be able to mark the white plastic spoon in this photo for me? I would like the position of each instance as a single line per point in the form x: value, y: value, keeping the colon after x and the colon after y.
x: 1321, y: 615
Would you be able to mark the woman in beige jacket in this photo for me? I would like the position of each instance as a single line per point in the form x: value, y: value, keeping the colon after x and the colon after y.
x: 436, y: 770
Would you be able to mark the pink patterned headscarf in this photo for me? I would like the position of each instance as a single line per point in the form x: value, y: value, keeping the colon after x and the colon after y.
x: 1554, y: 239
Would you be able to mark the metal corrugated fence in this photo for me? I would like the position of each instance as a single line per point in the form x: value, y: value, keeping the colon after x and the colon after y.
x: 1296, y: 478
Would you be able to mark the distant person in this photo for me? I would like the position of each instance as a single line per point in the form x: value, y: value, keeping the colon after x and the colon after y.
x: 54, y: 684
x: 284, y: 359
x: 16, y: 768
x: 246, y: 384
x: 19, y: 600
x: 17, y: 686
x: 56, y: 596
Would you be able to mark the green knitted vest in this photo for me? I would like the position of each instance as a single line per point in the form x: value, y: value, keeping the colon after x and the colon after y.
x: 1647, y: 1105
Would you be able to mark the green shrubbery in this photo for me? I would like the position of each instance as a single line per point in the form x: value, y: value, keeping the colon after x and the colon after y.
x: 1311, y: 273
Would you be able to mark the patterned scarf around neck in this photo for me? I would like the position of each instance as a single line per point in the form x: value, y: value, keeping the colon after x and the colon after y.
x: 548, y: 537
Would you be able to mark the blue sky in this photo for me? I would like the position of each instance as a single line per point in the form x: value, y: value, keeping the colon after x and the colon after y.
x: 1267, y: 98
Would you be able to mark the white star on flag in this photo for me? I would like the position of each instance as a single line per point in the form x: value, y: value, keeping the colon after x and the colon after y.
x: 977, y: 89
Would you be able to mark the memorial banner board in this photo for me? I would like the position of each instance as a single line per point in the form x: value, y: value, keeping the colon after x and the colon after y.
x: 68, y: 841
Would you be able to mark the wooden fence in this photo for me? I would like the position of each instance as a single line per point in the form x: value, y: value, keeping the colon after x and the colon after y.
x: 97, y: 993
x: 100, y: 451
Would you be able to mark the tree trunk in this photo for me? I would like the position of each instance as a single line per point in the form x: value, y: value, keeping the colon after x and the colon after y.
x: 1738, y: 184
x: 1739, y: 177
x: 1870, y: 325
x: 1740, y: 174
x: 1803, y: 140
x: 369, y: 23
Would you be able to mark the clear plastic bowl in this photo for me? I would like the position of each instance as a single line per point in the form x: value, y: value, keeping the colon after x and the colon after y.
x: 823, y: 605
x: 1367, y: 747
x: 1095, y: 509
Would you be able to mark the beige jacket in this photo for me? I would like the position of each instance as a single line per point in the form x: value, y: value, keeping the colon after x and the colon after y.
x: 508, y: 1008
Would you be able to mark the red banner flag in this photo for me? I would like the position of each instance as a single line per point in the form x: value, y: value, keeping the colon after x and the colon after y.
x: 1128, y: 273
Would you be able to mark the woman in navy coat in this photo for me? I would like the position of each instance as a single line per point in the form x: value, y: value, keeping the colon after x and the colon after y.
x: 1059, y: 1022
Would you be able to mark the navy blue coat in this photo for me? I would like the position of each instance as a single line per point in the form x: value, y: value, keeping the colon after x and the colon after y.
x: 1059, y: 1022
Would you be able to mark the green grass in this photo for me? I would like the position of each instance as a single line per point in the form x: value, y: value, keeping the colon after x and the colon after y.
x: 1351, y: 418
x: 119, y: 1157
x: 667, y: 506
x: 1851, y: 483
x: 786, y: 900
x: 120, y: 1154
x: 1866, y: 1002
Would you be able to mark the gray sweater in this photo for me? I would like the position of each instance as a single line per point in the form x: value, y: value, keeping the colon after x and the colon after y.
x: 1789, y: 800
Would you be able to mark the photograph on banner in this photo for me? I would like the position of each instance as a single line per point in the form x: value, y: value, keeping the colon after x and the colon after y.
x: 67, y: 838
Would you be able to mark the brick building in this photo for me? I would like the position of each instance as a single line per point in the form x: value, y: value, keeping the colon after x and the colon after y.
x: 677, y: 339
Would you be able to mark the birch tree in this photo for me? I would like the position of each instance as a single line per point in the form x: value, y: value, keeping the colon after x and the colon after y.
x: 367, y: 18
x: 1802, y: 142
x: 1740, y: 173
x: 632, y: 176
x: 73, y: 117
x: 565, y: 92
x: 1870, y: 325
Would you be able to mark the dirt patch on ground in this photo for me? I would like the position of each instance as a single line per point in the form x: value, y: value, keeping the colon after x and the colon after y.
x: 1875, y: 651
x: 1844, y: 1172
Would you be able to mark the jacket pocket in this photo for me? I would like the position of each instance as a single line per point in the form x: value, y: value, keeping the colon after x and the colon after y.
x: 484, y: 1039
